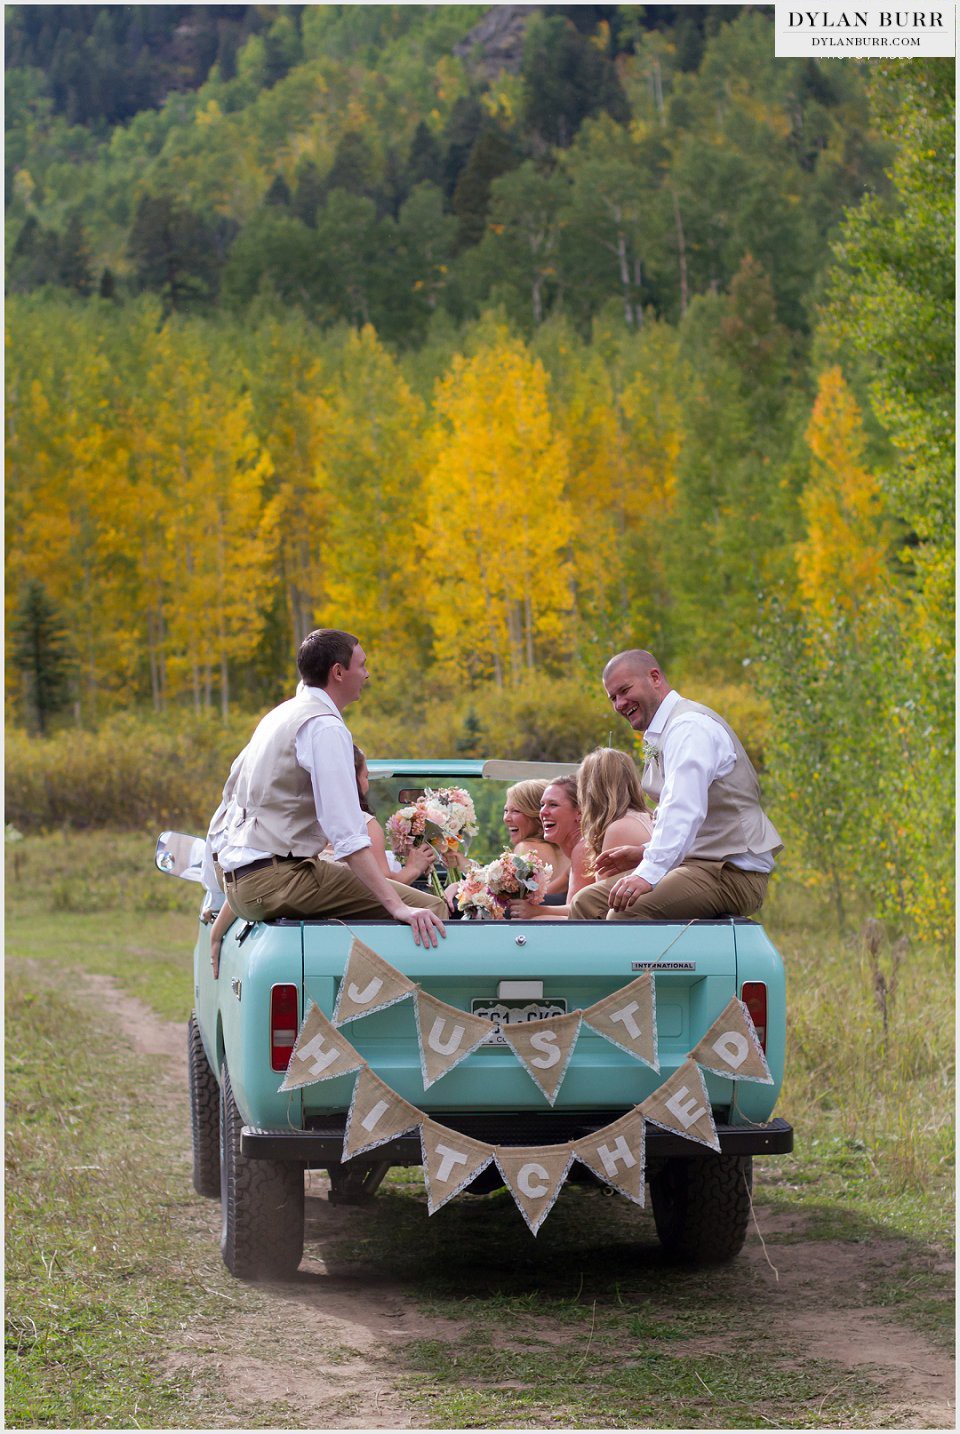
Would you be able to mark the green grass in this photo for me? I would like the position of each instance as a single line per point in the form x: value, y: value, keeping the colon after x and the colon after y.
x: 110, y: 1256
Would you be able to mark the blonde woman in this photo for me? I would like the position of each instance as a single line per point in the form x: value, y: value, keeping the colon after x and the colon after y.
x: 560, y: 821
x: 521, y: 817
x: 613, y: 812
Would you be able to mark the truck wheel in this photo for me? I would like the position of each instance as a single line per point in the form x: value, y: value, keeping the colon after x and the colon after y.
x: 204, y: 1115
x: 261, y: 1203
x: 701, y: 1206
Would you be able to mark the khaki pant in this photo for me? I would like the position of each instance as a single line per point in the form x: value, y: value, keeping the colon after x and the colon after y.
x: 312, y: 887
x: 693, y: 889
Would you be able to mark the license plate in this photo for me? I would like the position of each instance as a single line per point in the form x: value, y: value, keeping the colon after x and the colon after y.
x: 514, y: 1012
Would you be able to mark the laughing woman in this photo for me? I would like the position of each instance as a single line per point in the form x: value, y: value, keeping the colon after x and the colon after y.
x: 613, y: 812
x: 521, y: 817
x: 560, y: 823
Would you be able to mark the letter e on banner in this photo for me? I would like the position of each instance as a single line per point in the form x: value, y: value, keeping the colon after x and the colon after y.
x: 682, y: 1105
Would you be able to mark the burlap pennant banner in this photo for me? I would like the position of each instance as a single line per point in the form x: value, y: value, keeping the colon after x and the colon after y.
x: 369, y: 984
x: 450, y: 1161
x: 534, y: 1175
x: 377, y: 1114
x: 732, y: 1047
x: 628, y: 1019
x: 544, y: 1048
x: 682, y: 1105
x: 319, y: 1053
x: 617, y: 1154
x: 446, y: 1035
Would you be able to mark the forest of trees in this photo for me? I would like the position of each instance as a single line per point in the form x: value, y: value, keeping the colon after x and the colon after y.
x: 318, y: 315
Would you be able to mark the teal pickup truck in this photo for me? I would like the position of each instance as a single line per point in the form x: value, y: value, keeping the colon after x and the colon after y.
x: 252, y: 1143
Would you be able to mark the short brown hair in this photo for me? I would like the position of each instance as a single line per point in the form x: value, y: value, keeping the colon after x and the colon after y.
x: 322, y: 649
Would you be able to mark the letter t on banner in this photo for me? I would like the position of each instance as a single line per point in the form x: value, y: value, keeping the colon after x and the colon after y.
x: 450, y: 1162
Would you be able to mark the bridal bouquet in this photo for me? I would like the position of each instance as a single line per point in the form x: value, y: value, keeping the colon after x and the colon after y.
x: 486, y: 891
x: 443, y: 818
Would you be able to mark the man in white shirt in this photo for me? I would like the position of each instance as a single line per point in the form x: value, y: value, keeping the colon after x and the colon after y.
x: 712, y: 847
x: 295, y: 792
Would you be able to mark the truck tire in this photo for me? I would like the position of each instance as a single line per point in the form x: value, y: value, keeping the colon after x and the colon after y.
x: 261, y: 1204
x: 701, y: 1206
x: 204, y: 1115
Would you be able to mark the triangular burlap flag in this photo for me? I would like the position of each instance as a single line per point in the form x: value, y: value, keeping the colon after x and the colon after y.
x: 377, y: 1114
x: 534, y: 1175
x: 319, y: 1053
x: 544, y: 1048
x: 682, y: 1105
x: 446, y: 1035
x: 369, y: 984
x: 617, y: 1154
x: 732, y: 1047
x: 628, y: 1019
x: 450, y: 1161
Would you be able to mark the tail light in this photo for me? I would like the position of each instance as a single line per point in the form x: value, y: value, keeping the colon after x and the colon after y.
x: 753, y: 994
x: 283, y: 1025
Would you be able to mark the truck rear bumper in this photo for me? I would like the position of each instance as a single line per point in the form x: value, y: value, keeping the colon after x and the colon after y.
x: 322, y: 1146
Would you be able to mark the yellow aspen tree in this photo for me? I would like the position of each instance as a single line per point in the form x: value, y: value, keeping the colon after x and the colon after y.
x: 216, y: 562
x: 373, y: 452
x: 289, y: 387
x: 841, y: 561
x: 496, y: 574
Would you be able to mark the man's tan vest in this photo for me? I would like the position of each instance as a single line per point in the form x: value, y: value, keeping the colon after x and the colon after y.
x: 735, y: 822
x: 274, y: 795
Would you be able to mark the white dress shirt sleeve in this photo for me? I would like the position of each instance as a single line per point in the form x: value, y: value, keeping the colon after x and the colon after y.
x: 325, y: 750
x: 696, y: 750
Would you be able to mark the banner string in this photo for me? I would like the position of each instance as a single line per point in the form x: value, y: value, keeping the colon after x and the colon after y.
x: 756, y: 1226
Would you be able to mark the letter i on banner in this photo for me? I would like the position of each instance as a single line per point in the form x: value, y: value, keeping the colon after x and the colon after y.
x: 377, y: 1114
x: 682, y: 1105
x: 628, y: 1019
x: 320, y: 1053
x: 450, y: 1161
x: 732, y: 1047
x: 534, y: 1175
x: 617, y: 1154
x: 369, y: 984
x: 446, y: 1035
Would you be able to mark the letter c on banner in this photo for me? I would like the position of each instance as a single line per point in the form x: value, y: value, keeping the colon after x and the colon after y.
x: 545, y: 1042
x: 364, y: 997
x: 448, y: 1159
x: 732, y: 1048
x: 532, y: 1192
x: 436, y: 1042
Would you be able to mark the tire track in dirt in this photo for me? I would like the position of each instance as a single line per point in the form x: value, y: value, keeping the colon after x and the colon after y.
x: 325, y: 1345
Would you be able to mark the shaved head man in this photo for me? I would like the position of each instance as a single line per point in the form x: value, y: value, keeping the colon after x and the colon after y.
x: 712, y: 847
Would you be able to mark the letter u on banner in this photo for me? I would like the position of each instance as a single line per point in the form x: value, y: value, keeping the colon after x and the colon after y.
x: 446, y: 1035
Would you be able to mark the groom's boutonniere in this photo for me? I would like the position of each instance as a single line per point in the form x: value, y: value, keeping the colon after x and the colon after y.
x: 652, y: 755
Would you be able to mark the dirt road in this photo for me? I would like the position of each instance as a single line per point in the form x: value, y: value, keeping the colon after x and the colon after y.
x: 331, y: 1348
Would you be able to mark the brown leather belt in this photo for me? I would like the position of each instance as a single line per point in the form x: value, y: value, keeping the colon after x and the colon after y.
x: 258, y: 865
